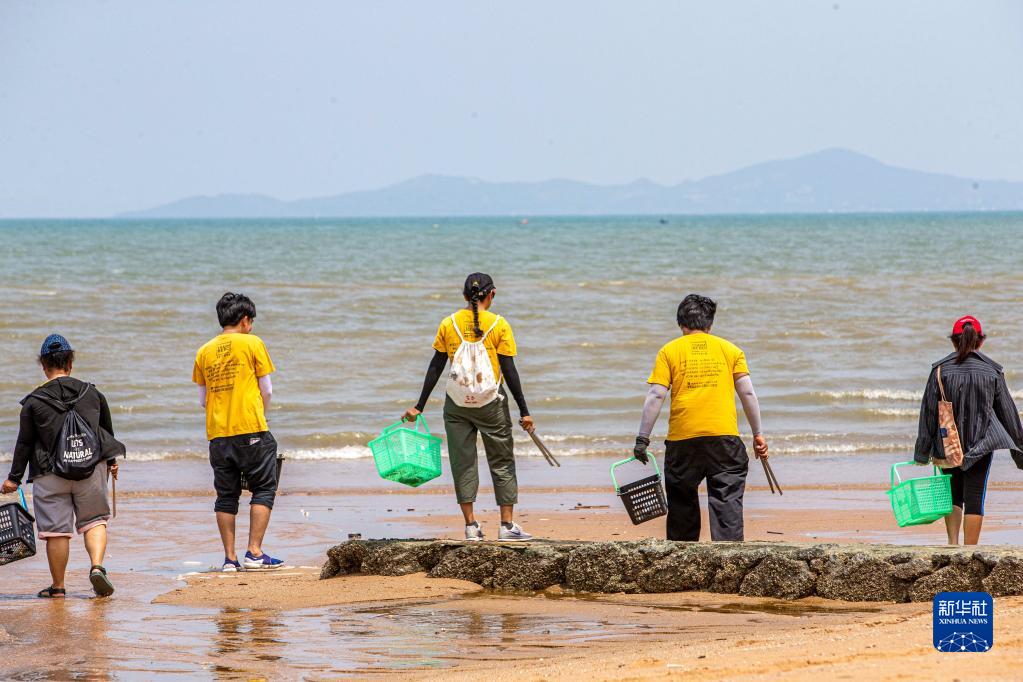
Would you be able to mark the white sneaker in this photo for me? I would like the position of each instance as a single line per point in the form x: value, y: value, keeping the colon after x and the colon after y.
x: 513, y: 534
x: 474, y: 532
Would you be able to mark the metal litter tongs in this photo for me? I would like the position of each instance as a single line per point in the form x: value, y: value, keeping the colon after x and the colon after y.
x: 543, y: 449
x: 772, y: 480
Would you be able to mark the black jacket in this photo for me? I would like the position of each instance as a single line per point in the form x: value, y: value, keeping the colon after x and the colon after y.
x: 41, y: 424
x: 985, y: 414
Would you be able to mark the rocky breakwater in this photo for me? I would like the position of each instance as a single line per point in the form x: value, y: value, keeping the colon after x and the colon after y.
x: 755, y: 569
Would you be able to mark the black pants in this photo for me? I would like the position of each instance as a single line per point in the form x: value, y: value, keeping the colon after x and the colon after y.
x: 723, y: 461
x: 252, y: 454
x: 970, y: 487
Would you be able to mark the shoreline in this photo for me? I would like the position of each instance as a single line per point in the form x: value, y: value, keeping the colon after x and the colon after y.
x: 487, y: 490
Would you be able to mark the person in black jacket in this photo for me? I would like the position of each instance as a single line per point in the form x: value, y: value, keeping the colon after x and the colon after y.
x: 62, y: 506
x: 985, y: 416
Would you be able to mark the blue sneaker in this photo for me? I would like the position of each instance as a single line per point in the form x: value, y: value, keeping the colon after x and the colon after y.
x: 230, y: 566
x: 260, y: 562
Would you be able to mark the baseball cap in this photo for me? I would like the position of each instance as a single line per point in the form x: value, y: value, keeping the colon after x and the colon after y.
x: 55, y: 343
x: 483, y: 283
x: 957, y: 328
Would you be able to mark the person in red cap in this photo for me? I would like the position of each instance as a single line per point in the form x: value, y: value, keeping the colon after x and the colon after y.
x: 985, y: 416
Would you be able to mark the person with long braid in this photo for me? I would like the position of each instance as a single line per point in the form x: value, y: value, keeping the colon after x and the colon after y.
x: 492, y: 420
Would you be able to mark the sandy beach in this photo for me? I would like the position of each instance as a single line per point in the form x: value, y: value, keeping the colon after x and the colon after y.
x: 172, y: 617
x: 641, y: 636
x: 423, y: 626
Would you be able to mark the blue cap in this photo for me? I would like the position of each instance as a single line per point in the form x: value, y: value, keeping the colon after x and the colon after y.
x: 55, y: 343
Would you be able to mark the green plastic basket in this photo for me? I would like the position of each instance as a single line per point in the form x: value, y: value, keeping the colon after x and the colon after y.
x: 407, y: 455
x: 917, y: 501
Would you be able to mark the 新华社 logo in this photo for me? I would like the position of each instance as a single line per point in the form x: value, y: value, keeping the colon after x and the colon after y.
x: 964, y: 622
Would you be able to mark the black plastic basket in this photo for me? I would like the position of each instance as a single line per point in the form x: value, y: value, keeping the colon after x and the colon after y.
x: 17, y: 532
x: 643, y: 499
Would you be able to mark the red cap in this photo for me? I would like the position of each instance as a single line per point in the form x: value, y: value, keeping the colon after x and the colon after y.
x: 957, y: 328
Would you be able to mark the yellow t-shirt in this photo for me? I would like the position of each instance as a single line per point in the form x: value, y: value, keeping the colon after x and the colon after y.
x: 230, y: 366
x: 500, y: 341
x: 701, y: 370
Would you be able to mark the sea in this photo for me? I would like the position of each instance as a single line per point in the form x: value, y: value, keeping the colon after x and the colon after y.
x: 840, y: 317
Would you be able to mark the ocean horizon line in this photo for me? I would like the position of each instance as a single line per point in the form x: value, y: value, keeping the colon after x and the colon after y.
x: 513, y: 216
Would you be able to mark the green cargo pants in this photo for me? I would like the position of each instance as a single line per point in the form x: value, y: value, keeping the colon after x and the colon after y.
x: 493, y: 422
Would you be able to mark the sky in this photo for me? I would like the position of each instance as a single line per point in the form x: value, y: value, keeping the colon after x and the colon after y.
x: 121, y: 105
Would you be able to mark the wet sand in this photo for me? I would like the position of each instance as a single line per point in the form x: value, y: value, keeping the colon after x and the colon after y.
x: 289, y: 625
x: 761, y: 640
x: 302, y: 588
x: 553, y: 635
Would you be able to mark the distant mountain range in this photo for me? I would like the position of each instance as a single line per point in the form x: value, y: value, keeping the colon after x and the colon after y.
x: 834, y: 180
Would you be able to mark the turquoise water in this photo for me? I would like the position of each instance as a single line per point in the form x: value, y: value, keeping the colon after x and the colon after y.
x: 840, y: 316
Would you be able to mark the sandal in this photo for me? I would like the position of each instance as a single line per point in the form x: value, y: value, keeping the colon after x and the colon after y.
x: 101, y: 584
x: 52, y: 592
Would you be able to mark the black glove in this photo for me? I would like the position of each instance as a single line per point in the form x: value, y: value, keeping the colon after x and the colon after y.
x: 639, y: 452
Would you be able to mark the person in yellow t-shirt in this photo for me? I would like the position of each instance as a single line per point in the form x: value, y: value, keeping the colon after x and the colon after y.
x: 233, y: 373
x: 491, y: 420
x: 703, y: 373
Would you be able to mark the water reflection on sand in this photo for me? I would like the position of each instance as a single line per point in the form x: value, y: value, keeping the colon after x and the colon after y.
x: 132, y: 639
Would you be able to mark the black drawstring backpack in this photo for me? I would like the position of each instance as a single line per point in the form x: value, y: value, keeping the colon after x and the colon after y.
x: 77, y: 449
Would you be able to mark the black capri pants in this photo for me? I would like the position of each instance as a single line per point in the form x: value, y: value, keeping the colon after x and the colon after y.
x: 723, y: 462
x: 969, y: 488
x: 252, y: 454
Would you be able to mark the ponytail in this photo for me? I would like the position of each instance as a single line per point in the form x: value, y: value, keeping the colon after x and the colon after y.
x: 477, y: 287
x: 966, y: 342
x: 474, y: 300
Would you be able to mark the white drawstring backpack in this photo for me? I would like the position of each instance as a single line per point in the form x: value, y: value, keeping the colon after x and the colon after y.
x: 471, y: 382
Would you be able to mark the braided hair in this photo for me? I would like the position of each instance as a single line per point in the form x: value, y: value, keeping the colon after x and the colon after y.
x: 477, y: 287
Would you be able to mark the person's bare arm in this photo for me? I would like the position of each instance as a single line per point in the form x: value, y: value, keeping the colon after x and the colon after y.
x: 202, y: 395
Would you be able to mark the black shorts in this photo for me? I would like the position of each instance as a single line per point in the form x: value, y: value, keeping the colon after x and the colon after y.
x: 969, y: 488
x: 251, y: 454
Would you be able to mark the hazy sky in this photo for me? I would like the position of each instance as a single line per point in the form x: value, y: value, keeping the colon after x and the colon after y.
x: 110, y: 106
